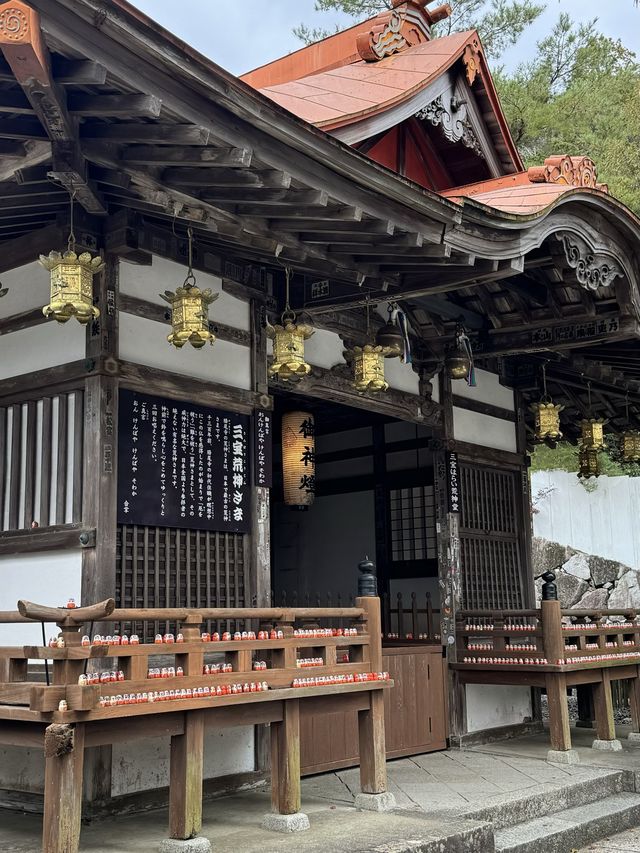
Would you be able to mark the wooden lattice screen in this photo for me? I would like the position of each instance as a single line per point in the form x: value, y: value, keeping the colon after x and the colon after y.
x: 165, y: 567
x: 491, y: 539
x: 41, y: 461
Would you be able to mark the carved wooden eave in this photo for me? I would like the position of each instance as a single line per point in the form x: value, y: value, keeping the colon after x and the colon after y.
x: 335, y: 385
x: 407, y: 23
x: 569, y: 171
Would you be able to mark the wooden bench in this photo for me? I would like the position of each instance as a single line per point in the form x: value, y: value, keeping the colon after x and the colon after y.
x: 30, y: 711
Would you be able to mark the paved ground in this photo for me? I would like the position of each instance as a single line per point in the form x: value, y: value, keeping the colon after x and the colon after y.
x: 433, y: 791
x: 626, y: 842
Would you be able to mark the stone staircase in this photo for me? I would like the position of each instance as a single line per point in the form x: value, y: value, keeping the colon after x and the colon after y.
x: 564, y: 819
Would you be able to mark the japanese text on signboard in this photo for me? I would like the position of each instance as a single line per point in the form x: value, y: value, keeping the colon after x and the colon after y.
x: 182, y: 465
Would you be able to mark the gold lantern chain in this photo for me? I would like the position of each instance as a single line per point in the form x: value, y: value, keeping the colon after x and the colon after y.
x: 545, y: 394
x: 71, y: 242
x: 288, y: 316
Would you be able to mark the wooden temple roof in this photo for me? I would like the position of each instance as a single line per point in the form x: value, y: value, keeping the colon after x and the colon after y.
x: 152, y: 136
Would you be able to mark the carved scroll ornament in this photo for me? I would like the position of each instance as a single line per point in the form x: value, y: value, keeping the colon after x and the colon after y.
x: 15, y: 23
x: 472, y: 60
x: 570, y: 171
x: 591, y: 270
x: 450, y: 113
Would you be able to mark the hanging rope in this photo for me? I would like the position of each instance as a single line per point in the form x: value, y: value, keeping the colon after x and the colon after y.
x: 71, y: 242
x: 190, y: 280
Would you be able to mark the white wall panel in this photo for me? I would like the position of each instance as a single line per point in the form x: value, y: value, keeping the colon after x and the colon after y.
x: 28, y: 288
x: 145, y: 342
x: 143, y: 765
x: 324, y: 349
x: 488, y: 390
x: 39, y: 347
x: 484, y: 430
x: 401, y: 376
x: 47, y: 578
x: 149, y: 282
x: 490, y: 706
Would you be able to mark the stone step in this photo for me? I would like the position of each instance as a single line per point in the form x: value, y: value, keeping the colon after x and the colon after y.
x: 532, y: 803
x: 571, y: 828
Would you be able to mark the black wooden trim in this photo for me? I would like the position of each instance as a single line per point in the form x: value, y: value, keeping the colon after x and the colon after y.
x: 47, y: 382
x: 497, y: 734
x: 483, y: 408
x: 25, y: 320
x: 479, y: 453
x: 159, y: 314
x: 55, y: 538
x: 412, y: 569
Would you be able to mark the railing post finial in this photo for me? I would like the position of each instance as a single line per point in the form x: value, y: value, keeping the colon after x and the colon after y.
x: 549, y: 588
x: 367, y: 581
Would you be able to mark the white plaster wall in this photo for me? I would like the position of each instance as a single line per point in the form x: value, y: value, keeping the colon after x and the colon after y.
x: 484, y: 430
x: 39, y: 347
x: 401, y: 376
x: 143, y: 765
x: 324, y: 349
x: 22, y: 769
x: 148, y: 282
x: 488, y: 390
x: 48, y: 578
x: 490, y: 706
x: 28, y: 288
x: 602, y: 520
x: 145, y: 342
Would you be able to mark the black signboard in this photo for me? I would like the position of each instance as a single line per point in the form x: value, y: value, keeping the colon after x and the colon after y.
x: 263, y: 448
x: 182, y: 465
x: 453, y: 480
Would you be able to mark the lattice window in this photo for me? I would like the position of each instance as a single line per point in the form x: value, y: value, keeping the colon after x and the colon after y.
x: 412, y: 524
x: 165, y: 567
x: 491, y: 549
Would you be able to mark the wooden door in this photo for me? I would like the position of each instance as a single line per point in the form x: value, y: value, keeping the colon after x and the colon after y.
x: 415, y: 715
x: 492, y: 538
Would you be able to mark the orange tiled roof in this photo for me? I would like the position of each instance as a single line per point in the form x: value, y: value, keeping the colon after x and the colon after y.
x: 533, y: 190
x: 342, y: 95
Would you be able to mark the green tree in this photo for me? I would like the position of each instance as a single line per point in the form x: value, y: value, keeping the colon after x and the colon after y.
x: 499, y: 22
x: 580, y: 95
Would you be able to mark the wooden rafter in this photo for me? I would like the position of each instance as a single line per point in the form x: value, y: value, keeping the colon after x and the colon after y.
x: 28, y: 57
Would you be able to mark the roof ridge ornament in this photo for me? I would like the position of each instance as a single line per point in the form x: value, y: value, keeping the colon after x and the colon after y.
x: 569, y: 171
x: 406, y: 24
x: 472, y: 59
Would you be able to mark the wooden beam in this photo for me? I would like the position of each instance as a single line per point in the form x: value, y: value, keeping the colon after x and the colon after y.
x: 22, y: 250
x: 36, y: 151
x: 14, y: 103
x: 167, y: 155
x: 155, y: 134
x: 30, y: 62
x: 55, y: 538
x: 115, y: 106
x: 186, y: 177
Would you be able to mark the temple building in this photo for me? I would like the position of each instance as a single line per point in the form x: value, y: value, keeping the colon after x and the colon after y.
x: 292, y: 321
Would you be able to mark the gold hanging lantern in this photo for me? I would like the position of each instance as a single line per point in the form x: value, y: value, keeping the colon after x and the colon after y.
x: 546, y: 414
x: 298, y: 459
x: 288, y: 343
x: 592, y: 433
x: 190, y: 309
x: 71, y: 281
x: 589, y: 463
x: 368, y: 364
x: 630, y: 445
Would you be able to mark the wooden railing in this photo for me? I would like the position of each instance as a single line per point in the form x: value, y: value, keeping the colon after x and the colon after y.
x: 256, y: 676
x: 555, y: 649
x: 410, y: 623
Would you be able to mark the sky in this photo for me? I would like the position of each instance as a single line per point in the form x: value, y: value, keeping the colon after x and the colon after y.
x: 243, y: 34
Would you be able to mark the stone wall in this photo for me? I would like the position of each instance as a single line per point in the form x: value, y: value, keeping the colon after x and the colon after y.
x: 584, y: 580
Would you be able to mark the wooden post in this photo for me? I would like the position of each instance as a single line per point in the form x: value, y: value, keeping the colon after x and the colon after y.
x: 285, y: 760
x: 373, y: 758
x: 185, y: 778
x: 64, y: 757
x: 559, y: 729
x: 634, y: 701
x: 603, y: 705
x: 552, y: 631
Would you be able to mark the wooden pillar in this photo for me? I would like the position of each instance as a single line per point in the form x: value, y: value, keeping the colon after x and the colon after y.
x: 64, y: 754
x: 559, y: 729
x: 373, y: 756
x: 185, y: 778
x: 603, y: 705
x: 586, y: 713
x: 634, y: 700
x: 552, y: 638
x: 285, y: 760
